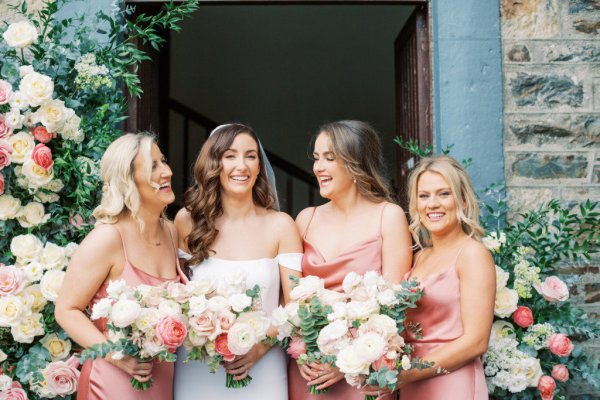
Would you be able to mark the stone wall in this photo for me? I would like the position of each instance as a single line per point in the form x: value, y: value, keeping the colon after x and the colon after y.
x: 551, y: 54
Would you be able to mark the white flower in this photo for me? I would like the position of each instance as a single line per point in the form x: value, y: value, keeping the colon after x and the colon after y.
x: 387, y: 298
x: 339, y: 311
x: 330, y: 297
x: 71, y: 128
x: 19, y: 101
x: 231, y: 283
x: 330, y: 338
x: 51, y: 283
x: 55, y: 185
x: 195, y: 340
x: 380, y: 324
x: 349, y: 362
x: 198, y: 305
x: 533, y: 371
x: 284, y: 331
x: 147, y: 319
x: 405, y: 362
x: 52, y: 114
x: 351, y: 281
x: 33, y: 271
x: 124, y: 313
x: 70, y: 249
x: 152, y: 346
x: 11, y: 310
x: 32, y: 214
x: 493, y: 242
x: 20, y: 34
x: 502, y: 329
x: 37, y: 88
x: 501, y: 278
x: 27, y: 328
x: 34, y: 294
x: 307, y: 287
x: 178, y: 292
x: 3, y: 357
x: 201, y: 286
x: 53, y: 256
x: 22, y: 143
x: 361, y: 309
x: 9, y: 207
x: 241, y: 338
x: 14, y: 119
x: 239, y: 302
x: 371, y: 278
x: 258, y: 320
x: 292, y: 312
x: 101, y: 309
x: 26, y: 248
x: 370, y: 347
x: 58, y: 348
x: 36, y: 175
x: 117, y: 288
x: 170, y: 307
x: 5, y: 380
x: 506, y: 302
x: 279, y: 316
x: 217, y: 303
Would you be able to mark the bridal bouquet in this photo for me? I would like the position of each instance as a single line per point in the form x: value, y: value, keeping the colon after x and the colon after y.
x: 225, y: 320
x: 146, y: 322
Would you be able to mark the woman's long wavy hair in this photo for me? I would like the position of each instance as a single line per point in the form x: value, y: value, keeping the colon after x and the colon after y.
x: 119, y: 191
x: 203, y: 199
x: 358, y: 145
x: 467, y: 207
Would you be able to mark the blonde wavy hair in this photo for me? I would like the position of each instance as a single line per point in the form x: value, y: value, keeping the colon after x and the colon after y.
x: 119, y: 191
x: 467, y: 207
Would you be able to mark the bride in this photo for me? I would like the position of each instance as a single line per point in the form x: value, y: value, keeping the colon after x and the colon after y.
x: 230, y: 225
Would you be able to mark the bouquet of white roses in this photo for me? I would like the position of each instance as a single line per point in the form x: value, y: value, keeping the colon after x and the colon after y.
x: 146, y: 322
x: 225, y: 320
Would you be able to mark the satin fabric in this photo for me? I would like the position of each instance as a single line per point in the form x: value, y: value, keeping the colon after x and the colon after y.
x: 100, y: 380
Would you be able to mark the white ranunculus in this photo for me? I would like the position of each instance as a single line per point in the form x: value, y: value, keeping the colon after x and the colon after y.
x: 117, y: 288
x: 38, y: 301
x: 339, y: 311
x: 51, y: 283
x: 5, y: 380
x: 26, y: 248
x: 71, y: 129
x: 371, y: 278
x: 198, y: 305
x: 330, y: 297
x: 258, y: 320
x: 330, y: 339
x: 9, y: 207
x: 147, y: 319
x: 217, y: 303
x: 36, y: 175
x: 405, y: 362
x: 239, y: 302
x: 201, y: 286
x: 387, y: 298
x: 370, y: 347
x: 19, y: 101
x: 27, y: 328
x: 349, y: 362
x: 170, y: 307
x: 381, y: 324
x: 279, y: 316
x: 52, y: 114
x: 11, y: 310
x: 22, y: 144
x: 33, y: 271
x: 32, y: 214
x: 14, y: 119
x: 37, y: 88
x: 501, y: 277
x: 241, y: 338
x: 124, y: 313
x: 506, y: 302
x: 101, y: 309
x: 58, y: 348
x: 20, y: 34
x: 351, y: 281
x: 307, y: 287
x: 361, y: 309
x: 53, y: 256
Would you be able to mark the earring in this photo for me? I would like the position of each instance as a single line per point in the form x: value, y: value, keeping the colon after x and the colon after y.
x: 354, y: 180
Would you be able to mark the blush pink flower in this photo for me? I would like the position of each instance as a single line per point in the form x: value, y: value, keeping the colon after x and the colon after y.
x: 15, y: 392
x: 42, y: 156
x: 1, y: 184
x: 171, y: 331
x: 62, y: 377
x: 546, y: 386
x: 383, y: 361
x: 5, y: 91
x: 5, y: 131
x: 222, y: 348
x: 203, y: 325
x: 11, y: 280
x: 560, y: 373
x: 5, y: 152
x: 297, y: 348
x: 560, y: 344
x: 523, y: 316
x: 553, y: 289
x: 41, y: 134
x: 225, y: 320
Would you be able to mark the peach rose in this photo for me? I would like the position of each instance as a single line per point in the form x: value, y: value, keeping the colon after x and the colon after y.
x: 42, y: 156
x: 546, y: 386
x: 15, y: 392
x: 5, y: 151
x: 553, y: 289
x: 41, y: 134
x: 297, y: 348
x: 383, y: 361
x: 5, y: 131
x: 203, y: 324
x: 225, y: 320
x: 222, y: 348
x: 11, y: 280
x: 560, y: 373
x: 62, y: 377
x: 560, y: 344
x: 171, y: 331
x: 5, y: 91
x: 523, y: 316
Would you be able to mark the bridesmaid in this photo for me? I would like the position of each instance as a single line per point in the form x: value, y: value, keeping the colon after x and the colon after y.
x: 458, y: 275
x: 358, y: 230
x: 132, y: 241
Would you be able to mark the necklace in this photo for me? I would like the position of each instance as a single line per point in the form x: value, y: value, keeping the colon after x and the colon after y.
x: 150, y: 242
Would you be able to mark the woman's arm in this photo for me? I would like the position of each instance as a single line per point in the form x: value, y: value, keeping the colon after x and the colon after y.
x: 396, y: 252
x: 183, y: 226
x: 289, y: 242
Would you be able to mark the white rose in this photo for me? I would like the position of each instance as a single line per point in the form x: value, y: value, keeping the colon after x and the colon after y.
x: 201, y: 286
x: 28, y: 116
x: 361, y: 309
x: 339, y: 311
x: 19, y: 101
x: 11, y: 310
x: 506, y: 302
x: 44, y: 197
x: 70, y: 249
x: 55, y: 185
x: 32, y: 215
x: 370, y: 347
x: 381, y: 324
x: 241, y: 338
x: 198, y: 305
x: 279, y: 316
x: 387, y: 298
x: 20, y: 34
x: 33, y: 271
x: 22, y: 144
x: 5, y: 380
x: 14, y: 119
x: 24, y: 70
x: 351, y: 281
x: 292, y: 311
x: 349, y: 362
x: 307, y: 287
x: 330, y: 338
x: 101, y: 309
x: 9, y: 207
x: 502, y: 329
x: 152, y: 346
x: 53, y: 256
x: 405, y: 362
x: 371, y: 278
x: 71, y: 129
x: 533, y: 371
x: 178, y: 292
x: 117, y: 288
x: 36, y: 175
x: 239, y: 302
x: 58, y: 348
x: 147, y: 319
x: 38, y: 301
x: 170, y: 307
x: 217, y: 303
x: 124, y: 313
x: 330, y: 297
x: 27, y: 328
x: 52, y: 114
x: 501, y: 278
x: 258, y: 320
x: 51, y: 283
x: 37, y: 88
x: 195, y: 340
x: 26, y: 248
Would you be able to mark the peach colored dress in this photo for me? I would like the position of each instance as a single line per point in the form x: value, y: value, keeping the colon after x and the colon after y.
x: 360, y: 258
x: 439, y: 314
x: 101, y: 380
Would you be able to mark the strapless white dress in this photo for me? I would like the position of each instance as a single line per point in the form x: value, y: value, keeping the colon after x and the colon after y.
x: 193, y: 380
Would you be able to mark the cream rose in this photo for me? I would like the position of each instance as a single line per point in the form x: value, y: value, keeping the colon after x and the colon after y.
x: 351, y: 281
x: 198, y: 305
x: 201, y: 286
x: 170, y: 307
x: 178, y: 292
x: 380, y: 324
x: 51, y: 283
x: 26, y: 248
x: 241, y: 338
x: 37, y: 88
x: 329, y: 339
x: 279, y: 316
x: 58, y: 348
x: 153, y: 346
x: 20, y: 34
x: 38, y: 300
x: 36, y: 175
x: 307, y: 287
x: 53, y: 256
x: 361, y: 309
x: 124, y: 313
x: 533, y: 371
x: 101, y: 309
x: 32, y: 214
x: 22, y: 144
x: 147, y: 319
x: 11, y: 310
x: 71, y: 128
x: 52, y: 114
x: 258, y: 320
x: 19, y: 101
x: 217, y: 304
x: 239, y: 302
x: 9, y: 207
x: 501, y: 278
x: 506, y: 302
x: 502, y: 329
x: 349, y: 362
x: 27, y: 328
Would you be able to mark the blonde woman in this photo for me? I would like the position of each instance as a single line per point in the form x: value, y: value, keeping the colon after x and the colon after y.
x: 132, y: 241
x: 458, y: 275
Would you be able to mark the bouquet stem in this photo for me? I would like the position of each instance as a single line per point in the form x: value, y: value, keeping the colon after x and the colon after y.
x: 314, y: 391
x: 369, y: 397
x: 137, y: 385
x: 232, y: 383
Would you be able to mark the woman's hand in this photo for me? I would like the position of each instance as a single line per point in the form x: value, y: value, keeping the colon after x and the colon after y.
x: 309, y: 371
x: 240, y: 367
x: 141, y: 371
x: 327, y: 376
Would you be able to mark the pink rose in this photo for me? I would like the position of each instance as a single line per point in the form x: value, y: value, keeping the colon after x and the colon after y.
x: 297, y: 348
x: 546, y: 386
x: 560, y: 373
x: 171, y: 331
x: 523, y: 316
x: 42, y: 156
x: 397, y: 344
x: 222, y: 348
x: 5, y: 91
x: 1, y: 184
x: 5, y: 152
x: 553, y: 289
x: 203, y: 324
x: 5, y: 131
x: 41, y: 134
x: 61, y: 378
x: 15, y: 392
x: 383, y: 362
x: 225, y: 319
x: 11, y: 280
x: 560, y: 344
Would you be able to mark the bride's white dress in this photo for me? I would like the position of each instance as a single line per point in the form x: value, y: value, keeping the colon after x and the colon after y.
x: 193, y: 380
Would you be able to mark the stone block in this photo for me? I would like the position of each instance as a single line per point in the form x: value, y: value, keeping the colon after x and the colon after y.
x: 588, y: 26
x: 522, y: 199
x: 571, y: 51
x: 578, y: 6
x: 519, y: 53
x: 592, y: 293
x: 530, y: 18
x: 596, y: 174
x: 579, y: 193
x: 544, y: 166
x: 546, y: 90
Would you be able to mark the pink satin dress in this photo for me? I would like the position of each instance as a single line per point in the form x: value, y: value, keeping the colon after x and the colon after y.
x: 360, y: 258
x: 100, y: 380
x: 438, y: 312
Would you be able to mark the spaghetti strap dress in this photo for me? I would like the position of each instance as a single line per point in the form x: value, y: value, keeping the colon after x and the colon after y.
x: 100, y: 380
x: 438, y: 312
x: 360, y: 258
